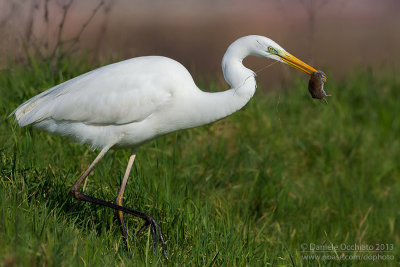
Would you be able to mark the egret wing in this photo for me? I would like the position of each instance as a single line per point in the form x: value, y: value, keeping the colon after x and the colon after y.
x: 115, y: 94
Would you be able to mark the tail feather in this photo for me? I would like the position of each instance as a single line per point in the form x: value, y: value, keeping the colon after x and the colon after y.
x: 39, y: 107
x: 31, y: 111
x: 25, y: 113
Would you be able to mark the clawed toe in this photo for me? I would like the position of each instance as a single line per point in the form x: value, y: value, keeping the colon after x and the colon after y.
x: 155, y: 232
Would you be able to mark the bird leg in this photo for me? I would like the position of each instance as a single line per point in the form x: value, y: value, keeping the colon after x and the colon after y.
x: 120, y: 196
x: 149, y: 220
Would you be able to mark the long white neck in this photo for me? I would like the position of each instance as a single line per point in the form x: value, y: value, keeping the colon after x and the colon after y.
x: 235, y: 73
x: 215, y: 106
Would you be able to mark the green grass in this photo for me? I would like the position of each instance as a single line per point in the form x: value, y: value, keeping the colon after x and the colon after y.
x: 245, y: 191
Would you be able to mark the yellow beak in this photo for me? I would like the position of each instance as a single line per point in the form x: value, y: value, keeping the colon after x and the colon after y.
x: 298, y: 64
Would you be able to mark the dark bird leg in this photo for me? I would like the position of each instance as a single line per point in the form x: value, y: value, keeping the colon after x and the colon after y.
x: 120, y: 196
x: 149, y: 220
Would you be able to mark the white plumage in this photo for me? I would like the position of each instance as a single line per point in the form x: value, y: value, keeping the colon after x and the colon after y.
x: 101, y: 107
x: 131, y: 102
x: 128, y: 103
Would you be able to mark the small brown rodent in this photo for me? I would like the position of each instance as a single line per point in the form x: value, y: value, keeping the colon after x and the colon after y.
x: 316, y: 85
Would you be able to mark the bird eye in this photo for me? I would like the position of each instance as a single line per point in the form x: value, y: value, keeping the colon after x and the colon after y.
x: 272, y: 50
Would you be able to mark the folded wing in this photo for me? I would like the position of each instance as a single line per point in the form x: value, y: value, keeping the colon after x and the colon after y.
x: 116, y: 94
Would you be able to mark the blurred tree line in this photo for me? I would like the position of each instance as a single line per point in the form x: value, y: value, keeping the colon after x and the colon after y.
x: 41, y: 29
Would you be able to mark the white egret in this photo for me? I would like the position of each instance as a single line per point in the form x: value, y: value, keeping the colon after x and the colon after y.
x: 129, y: 103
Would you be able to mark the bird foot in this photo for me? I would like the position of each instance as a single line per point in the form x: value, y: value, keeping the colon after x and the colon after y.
x: 154, y: 228
x: 149, y: 220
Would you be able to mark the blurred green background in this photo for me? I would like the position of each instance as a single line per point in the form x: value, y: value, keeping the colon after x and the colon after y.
x: 249, y: 190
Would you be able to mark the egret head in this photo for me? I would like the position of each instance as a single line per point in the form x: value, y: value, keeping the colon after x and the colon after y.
x: 260, y: 46
x: 265, y: 47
